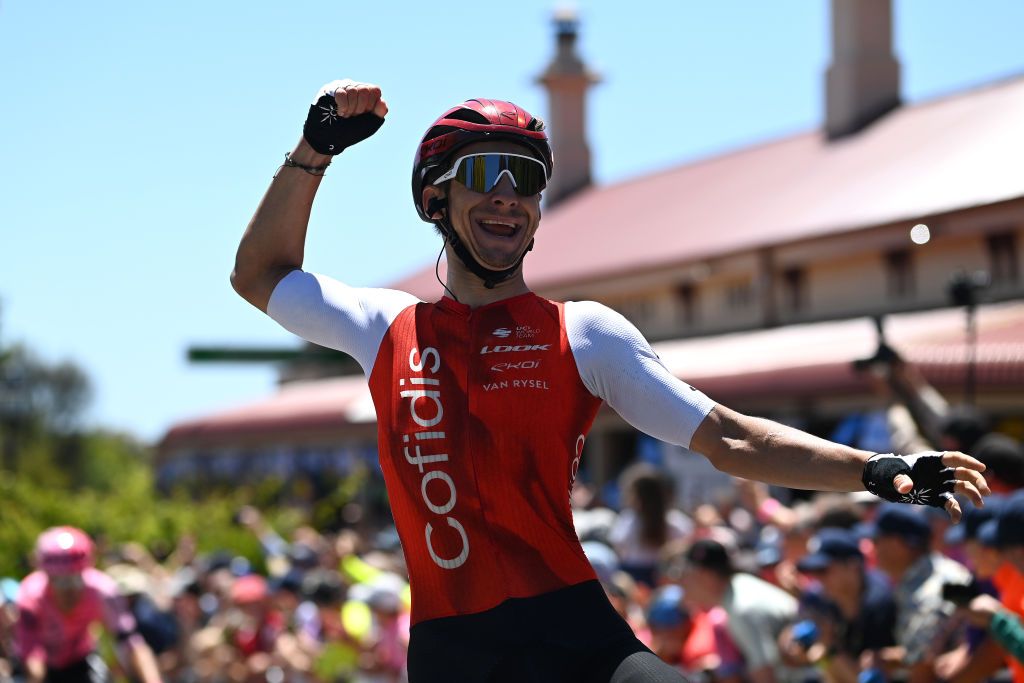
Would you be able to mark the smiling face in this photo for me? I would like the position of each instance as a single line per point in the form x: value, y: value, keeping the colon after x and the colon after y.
x: 495, y: 226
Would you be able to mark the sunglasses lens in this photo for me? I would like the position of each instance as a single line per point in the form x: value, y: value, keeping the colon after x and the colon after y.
x: 482, y: 172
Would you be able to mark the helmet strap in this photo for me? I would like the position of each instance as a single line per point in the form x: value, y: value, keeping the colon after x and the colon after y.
x: 489, y: 277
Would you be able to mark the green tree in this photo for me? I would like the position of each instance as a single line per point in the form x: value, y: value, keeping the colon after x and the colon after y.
x: 54, y: 471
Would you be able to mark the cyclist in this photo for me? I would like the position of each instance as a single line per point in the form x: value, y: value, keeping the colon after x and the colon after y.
x: 58, y: 605
x: 484, y: 399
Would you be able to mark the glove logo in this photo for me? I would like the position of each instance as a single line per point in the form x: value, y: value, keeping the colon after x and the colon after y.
x: 922, y: 497
x: 330, y: 114
x: 934, y: 483
x: 325, y: 137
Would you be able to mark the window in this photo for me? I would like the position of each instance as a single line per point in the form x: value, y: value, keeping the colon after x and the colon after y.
x: 739, y: 295
x: 899, y: 268
x: 638, y: 310
x: 794, y: 286
x: 1002, y: 258
x: 686, y: 303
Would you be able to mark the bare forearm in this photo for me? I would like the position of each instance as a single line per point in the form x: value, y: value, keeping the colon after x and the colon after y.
x: 759, y: 449
x: 987, y: 660
x: 144, y: 663
x: 35, y: 669
x: 274, y: 242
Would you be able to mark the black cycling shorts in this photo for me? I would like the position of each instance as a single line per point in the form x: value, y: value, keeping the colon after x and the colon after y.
x: 572, y: 635
x: 92, y: 669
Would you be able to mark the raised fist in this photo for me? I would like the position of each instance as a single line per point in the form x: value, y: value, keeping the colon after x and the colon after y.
x: 342, y: 114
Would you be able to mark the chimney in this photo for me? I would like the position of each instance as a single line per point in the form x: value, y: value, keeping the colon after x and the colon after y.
x: 567, y: 80
x: 863, y: 81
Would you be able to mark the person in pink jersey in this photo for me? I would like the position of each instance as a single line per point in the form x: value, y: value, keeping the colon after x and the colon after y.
x: 58, y: 605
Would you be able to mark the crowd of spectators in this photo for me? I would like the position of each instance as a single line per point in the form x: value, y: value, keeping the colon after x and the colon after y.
x: 756, y: 586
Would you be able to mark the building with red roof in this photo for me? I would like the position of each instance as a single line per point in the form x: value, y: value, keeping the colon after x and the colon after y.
x: 760, y: 274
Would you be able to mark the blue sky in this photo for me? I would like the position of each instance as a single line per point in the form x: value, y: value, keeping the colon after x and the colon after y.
x: 137, y: 139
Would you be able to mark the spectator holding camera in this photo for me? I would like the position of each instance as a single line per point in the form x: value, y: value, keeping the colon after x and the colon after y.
x: 903, y: 552
x: 974, y: 539
x: 1003, y: 618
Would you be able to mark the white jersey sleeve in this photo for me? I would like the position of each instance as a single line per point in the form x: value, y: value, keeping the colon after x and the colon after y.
x: 617, y: 364
x: 332, y: 314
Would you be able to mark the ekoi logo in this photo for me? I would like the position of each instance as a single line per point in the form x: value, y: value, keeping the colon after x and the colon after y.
x: 520, y: 365
x: 426, y: 409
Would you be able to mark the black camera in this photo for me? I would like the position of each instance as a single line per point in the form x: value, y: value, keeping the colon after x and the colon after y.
x: 960, y: 594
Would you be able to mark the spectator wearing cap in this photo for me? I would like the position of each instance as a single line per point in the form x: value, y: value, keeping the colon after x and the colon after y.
x: 259, y: 625
x: 852, y: 607
x: 975, y: 536
x: 902, y: 537
x: 691, y: 641
x: 982, y: 558
x: 1004, y: 618
x: 979, y: 657
x: 757, y: 611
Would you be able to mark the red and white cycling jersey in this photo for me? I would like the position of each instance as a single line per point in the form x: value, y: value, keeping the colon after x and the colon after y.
x: 482, y: 415
x: 64, y: 638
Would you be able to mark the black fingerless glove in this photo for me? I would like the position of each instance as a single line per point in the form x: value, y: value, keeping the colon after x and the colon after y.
x: 329, y: 133
x: 933, y: 481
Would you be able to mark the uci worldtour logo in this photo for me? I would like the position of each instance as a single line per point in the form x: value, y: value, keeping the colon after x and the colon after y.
x: 518, y: 347
x: 502, y: 332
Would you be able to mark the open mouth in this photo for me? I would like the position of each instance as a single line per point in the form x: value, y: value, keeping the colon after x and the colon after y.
x: 498, y: 227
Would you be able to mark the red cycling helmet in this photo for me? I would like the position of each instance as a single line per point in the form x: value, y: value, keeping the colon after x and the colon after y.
x: 472, y: 121
x: 64, y: 550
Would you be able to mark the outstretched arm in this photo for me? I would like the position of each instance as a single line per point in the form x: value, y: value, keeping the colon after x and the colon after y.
x: 755, y: 448
x: 274, y: 242
x: 618, y: 365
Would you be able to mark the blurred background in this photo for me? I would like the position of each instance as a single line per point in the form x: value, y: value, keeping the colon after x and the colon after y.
x: 812, y: 209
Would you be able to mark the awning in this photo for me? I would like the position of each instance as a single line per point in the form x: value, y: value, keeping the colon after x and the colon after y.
x: 326, y: 408
x: 809, y: 359
x: 787, y: 362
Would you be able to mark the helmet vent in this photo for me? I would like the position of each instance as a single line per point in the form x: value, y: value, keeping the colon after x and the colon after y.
x: 467, y: 114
